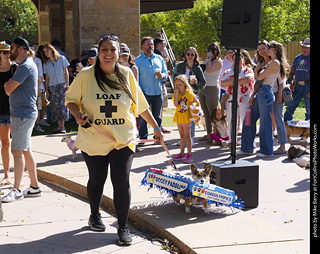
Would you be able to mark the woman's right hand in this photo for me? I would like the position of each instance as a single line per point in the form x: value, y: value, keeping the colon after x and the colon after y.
x: 81, y: 118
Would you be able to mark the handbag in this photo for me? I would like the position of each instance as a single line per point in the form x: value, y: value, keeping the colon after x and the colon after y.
x: 286, y: 94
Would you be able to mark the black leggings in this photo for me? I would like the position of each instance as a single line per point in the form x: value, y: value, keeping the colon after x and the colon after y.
x: 120, y: 164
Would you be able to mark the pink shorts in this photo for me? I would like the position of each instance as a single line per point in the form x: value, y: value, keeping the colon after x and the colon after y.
x: 184, y: 124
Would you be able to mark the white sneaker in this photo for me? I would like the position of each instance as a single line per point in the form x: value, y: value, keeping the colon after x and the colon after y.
x: 31, y: 192
x: 261, y: 155
x: 39, y: 129
x: 224, y: 143
x: 44, y: 123
x: 12, y: 196
x: 245, y: 153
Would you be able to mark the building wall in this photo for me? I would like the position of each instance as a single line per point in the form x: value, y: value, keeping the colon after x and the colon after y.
x: 78, y: 24
x: 100, y: 17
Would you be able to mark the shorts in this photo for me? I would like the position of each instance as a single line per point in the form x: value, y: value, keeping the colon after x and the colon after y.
x: 5, y: 120
x: 184, y: 124
x: 21, y: 133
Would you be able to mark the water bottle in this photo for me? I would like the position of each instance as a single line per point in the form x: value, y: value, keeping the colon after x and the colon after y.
x: 248, y: 117
x: 39, y: 103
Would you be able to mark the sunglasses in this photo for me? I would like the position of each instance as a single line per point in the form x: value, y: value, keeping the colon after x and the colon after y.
x: 5, y: 52
x: 190, y: 54
x: 108, y: 36
x: 272, y: 47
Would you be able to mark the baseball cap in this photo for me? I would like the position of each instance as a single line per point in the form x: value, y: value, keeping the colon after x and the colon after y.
x: 4, y: 46
x: 124, y: 51
x: 92, y: 53
x: 22, y: 42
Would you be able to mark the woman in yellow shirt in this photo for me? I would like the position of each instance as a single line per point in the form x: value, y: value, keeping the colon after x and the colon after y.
x: 107, y: 95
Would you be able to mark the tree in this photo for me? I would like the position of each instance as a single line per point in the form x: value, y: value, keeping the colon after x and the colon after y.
x: 19, y: 18
x: 281, y: 20
x: 285, y: 20
x: 188, y: 27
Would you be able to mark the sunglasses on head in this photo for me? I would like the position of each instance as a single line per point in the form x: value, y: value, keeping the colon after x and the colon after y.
x: 190, y: 54
x: 108, y: 36
x: 5, y: 52
x: 272, y: 47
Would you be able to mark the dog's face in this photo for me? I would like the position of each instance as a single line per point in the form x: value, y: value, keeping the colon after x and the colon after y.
x: 201, y: 176
x: 66, y: 139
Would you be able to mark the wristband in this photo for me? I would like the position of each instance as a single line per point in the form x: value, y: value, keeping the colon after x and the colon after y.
x: 157, y: 129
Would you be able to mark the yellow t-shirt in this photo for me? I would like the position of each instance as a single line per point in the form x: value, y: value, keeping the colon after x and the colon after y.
x: 182, y: 114
x: 113, y: 112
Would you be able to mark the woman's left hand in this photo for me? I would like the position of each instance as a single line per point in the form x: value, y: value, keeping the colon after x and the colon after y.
x: 251, y: 102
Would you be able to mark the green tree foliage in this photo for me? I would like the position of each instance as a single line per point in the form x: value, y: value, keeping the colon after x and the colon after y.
x: 285, y: 20
x: 19, y: 18
x: 281, y: 20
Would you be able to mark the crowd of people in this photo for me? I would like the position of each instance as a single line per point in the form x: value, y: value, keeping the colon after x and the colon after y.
x: 109, y: 88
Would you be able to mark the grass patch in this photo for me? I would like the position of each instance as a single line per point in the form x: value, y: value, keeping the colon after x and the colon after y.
x: 70, y: 127
x: 167, y: 118
x: 168, y: 114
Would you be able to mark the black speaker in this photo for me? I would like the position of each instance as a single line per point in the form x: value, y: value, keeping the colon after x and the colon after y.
x: 241, y: 24
x: 241, y: 177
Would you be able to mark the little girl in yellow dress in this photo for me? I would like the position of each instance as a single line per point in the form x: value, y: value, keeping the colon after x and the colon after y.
x: 182, y: 98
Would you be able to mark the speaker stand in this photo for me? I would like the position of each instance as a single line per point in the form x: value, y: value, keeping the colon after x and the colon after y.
x: 234, y: 119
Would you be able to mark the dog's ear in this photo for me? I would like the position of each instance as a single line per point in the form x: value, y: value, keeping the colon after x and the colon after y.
x: 208, y: 169
x: 193, y: 168
x: 290, y: 151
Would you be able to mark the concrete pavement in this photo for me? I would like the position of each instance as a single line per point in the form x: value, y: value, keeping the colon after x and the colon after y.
x: 280, y: 223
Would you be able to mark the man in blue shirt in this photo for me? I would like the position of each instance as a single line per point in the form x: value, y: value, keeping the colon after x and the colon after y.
x: 300, y: 69
x: 152, y: 72
x: 22, y: 89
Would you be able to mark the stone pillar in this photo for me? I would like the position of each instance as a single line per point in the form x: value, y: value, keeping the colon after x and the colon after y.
x: 44, y: 34
x: 118, y: 17
x: 69, y: 36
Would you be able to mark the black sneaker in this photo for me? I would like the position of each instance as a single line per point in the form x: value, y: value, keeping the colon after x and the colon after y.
x: 124, y: 236
x: 95, y: 223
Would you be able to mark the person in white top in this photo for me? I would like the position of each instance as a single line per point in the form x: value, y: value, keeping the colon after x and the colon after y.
x: 209, y: 96
x: 245, y: 89
x: 42, y: 101
x: 262, y: 103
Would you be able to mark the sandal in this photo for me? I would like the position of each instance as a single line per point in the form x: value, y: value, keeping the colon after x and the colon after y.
x: 57, y: 130
x: 280, y: 151
x: 5, y: 182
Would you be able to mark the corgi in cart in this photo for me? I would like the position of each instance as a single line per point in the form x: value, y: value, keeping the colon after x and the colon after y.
x: 201, y: 177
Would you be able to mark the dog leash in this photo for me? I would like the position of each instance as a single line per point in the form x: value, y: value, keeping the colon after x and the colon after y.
x: 171, y: 162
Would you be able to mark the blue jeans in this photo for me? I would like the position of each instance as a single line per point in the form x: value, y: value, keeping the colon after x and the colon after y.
x: 300, y: 92
x: 262, y: 109
x: 277, y: 109
x: 155, y: 102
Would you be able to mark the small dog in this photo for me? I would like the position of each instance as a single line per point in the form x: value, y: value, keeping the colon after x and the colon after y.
x: 70, y: 143
x: 300, y: 155
x: 202, y: 177
x: 304, y: 133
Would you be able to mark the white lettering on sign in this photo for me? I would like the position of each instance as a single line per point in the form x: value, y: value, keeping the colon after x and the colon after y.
x: 166, y: 182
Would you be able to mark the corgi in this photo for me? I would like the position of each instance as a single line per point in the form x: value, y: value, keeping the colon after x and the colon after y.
x: 70, y: 143
x: 304, y: 133
x: 202, y: 177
